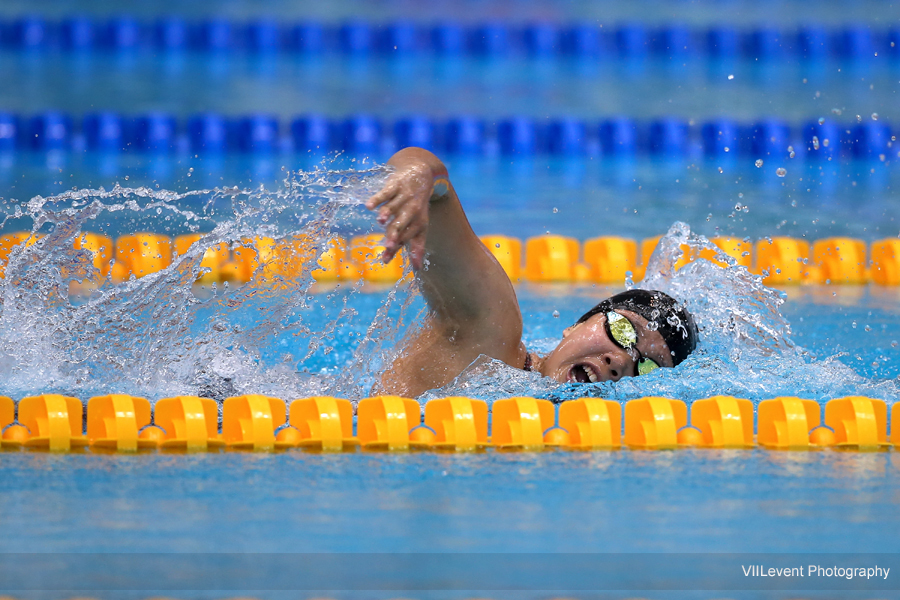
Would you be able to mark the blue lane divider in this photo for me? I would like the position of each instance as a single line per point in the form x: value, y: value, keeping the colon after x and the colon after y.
x: 448, y: 39
x: 9, y: 132
x: 104, y: 131
x: 567, y: 137
x: 312, y: 133
x: 171, y: 34
x: 49, y: 131
x: 123, y: 33
x: 78, y: 33
x: 416, y: 130
x: 264, y: 35
x: 307, y: 37
x: 207, y: 133
x: 674, y: 41
x: 770, y: 139
x: 721, y: 138
x: 813, y: 43
x: 822, y: 139
x: 362, y: 134
x: 619, y: 137
x: 155, y: 132
x: 668, y: 137
x: 258, y: 134
x: 722, y: 43
x: 465, y: 135
x: 852, y: 42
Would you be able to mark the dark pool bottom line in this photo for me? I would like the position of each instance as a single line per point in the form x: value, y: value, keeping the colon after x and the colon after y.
x: 120, y: 422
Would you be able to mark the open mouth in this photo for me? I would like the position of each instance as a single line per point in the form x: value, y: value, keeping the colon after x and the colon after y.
x: 583, y: 373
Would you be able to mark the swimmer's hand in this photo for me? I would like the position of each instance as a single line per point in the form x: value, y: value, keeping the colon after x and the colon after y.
x: 403, y: 202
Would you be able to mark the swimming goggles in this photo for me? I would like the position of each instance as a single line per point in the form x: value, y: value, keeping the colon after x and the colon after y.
x: 621, y: 331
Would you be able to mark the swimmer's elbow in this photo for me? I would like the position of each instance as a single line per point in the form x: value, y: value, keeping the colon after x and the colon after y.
x: 420, y: 155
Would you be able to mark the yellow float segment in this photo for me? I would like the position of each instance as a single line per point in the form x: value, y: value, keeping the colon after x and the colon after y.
x: 508, y: 252
x: 384, y: 422
x: 551, y: 259
x: 653, y: 422
x: 458, y: 423
x: 609, y: 258
x: 724, y: 421
x: 113, y: 421
x: 786, y: 422
x: 520, y: 422
x: 592, y: 423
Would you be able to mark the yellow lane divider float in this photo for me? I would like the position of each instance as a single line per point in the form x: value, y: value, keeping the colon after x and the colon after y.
x: 123, y: 423
x: 547, y: 258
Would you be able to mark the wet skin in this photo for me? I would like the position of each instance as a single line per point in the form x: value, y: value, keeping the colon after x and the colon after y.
x: 473, y: 310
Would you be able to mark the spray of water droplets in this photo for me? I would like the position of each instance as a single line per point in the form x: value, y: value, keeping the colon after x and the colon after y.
x: 64, y: 327
x: 746, y: 349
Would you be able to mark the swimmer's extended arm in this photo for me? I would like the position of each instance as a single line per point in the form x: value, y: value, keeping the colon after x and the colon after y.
x: 465, y: 287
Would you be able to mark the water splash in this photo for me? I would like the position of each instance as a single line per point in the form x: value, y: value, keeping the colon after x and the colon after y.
x: 746, y: 347
x: 159, y: 335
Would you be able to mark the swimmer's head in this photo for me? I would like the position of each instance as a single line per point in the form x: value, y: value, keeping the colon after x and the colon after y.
x: 628, y: 334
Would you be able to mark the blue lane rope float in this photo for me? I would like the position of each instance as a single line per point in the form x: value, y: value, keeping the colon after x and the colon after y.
x: 364, y: 134
x: 854, y: 43
x: 125, y: 423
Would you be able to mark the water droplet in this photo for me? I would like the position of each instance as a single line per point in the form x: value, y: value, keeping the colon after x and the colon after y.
x: 853, y: 324
x: 721, y: 170
x: 874, y: 116
x: 497, y: 245
x: 821, y: 120
x: 555, y: 314
x: 825, y: 142
x: 758, y: 163
x: 815, y: 142
x: 731, y: 77
x: 652, y: 325
x: 836, y: 111
x: 555, y: 210
x: 740, y: 194
x: 781, y: 171
x: 738, y: 206
x: 794, y: 203
x: 867, y: 328
x: 894, y: 343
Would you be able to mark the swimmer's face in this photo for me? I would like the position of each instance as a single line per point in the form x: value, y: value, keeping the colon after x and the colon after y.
x: 587, y: 354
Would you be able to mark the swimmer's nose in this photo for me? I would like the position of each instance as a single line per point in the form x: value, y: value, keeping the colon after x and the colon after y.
x: 617, y: 365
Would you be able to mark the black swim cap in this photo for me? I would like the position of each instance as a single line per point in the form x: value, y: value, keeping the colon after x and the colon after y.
x: 673, y: 321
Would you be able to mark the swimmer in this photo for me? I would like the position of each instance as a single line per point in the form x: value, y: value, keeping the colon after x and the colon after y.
x: 473, y: 308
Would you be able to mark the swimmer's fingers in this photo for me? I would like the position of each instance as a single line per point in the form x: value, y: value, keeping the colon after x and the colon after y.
x: 413, y: 234
x: 417, y: 251
x: 395, y: 232
x: 385, y: 194
x: 391, y: 208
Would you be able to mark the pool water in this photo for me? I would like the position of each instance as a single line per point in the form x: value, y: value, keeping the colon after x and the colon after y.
x: 606, y: 524
x: 831, y: 341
